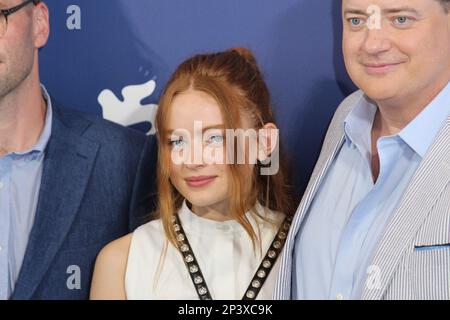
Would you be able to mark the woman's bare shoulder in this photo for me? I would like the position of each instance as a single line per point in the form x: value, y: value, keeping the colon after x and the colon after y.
x: 109, y: 274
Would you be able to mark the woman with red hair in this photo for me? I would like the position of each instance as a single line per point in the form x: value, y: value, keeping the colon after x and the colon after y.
x: 223, y: 201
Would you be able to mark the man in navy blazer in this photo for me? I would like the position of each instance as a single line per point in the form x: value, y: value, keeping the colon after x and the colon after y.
x: 69, y: 182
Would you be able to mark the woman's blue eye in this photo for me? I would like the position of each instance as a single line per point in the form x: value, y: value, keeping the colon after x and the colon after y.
x: 177, y: 142
x: 215, y: 139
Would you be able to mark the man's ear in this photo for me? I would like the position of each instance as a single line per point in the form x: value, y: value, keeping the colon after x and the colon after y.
x: 267, y: 140
x: 41, y: 25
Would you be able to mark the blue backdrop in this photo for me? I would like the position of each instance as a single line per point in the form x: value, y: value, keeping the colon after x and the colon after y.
x: 99, y: 47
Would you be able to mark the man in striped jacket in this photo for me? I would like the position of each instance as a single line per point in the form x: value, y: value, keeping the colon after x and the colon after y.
x: 374, y: 222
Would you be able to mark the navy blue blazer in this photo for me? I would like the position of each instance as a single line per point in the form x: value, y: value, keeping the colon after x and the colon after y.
x: 97, y: 185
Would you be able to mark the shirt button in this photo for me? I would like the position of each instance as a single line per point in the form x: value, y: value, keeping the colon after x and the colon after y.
x: 1, y: 185
x: 225, y: 228
x: 1, y: 248
x: 340, y: 297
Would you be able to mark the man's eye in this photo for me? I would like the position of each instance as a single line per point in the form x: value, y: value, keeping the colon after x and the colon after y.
x: 402, y: 20
x: 356, y: 22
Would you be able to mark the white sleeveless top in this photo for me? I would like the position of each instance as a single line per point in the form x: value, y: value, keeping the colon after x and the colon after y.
x: 223, y: 250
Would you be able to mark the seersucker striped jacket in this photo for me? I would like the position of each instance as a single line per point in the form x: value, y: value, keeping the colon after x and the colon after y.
x: 412, y: 259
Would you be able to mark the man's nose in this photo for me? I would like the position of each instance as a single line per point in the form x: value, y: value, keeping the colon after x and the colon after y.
x: 376, y: 41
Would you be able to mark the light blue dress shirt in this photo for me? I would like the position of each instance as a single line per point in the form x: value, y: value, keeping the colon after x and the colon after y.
x: 20, y: 179
x: 346, y: 220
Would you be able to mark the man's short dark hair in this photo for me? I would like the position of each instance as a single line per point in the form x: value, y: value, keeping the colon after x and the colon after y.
x: 445, y: 4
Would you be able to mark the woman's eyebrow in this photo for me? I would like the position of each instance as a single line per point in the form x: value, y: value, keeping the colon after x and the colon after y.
x: 214, y: 126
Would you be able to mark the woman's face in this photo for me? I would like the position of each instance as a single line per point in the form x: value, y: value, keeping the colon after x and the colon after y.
x: 196, y: 138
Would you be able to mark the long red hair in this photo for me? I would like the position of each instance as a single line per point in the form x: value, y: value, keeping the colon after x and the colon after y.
x: 234, y: 80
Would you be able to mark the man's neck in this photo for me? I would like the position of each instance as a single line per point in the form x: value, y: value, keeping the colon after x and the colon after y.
x: 22, y: 118
x: 396, y: 114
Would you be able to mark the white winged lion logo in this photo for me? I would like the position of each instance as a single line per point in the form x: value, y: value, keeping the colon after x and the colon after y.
x: 130, y: 111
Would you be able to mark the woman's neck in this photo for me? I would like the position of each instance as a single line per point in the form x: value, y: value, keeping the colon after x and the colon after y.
x: 217, y: 212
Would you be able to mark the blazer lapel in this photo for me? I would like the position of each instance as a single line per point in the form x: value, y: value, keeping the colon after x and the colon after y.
x: 317, y: 176
x: 328, y: 153
x: 425, y: 188
x: 68, y: 163
x: 333, y: 141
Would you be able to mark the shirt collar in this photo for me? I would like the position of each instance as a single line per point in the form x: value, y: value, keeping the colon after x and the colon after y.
x: 358, y: 125
x: 420, y: 133
x: 42, y: 142
x: 194, y: 223
x: 197, y: 224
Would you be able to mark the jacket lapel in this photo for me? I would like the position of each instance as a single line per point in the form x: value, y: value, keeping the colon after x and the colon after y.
x: 317, y: 176
x: 68, y: 163
x: 332, y: 144
x: 425, y: 188
x: 333, y: 141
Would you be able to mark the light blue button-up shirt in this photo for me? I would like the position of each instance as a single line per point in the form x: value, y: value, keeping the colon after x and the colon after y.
x: 346, y: 220
x: 20, y: 179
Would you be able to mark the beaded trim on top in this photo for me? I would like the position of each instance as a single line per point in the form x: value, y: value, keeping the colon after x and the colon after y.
x: 258, y: 279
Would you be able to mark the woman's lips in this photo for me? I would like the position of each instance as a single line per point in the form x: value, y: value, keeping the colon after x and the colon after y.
x: 199, y: 181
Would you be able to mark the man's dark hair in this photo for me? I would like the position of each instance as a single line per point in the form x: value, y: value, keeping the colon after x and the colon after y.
x: 445, y: 4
